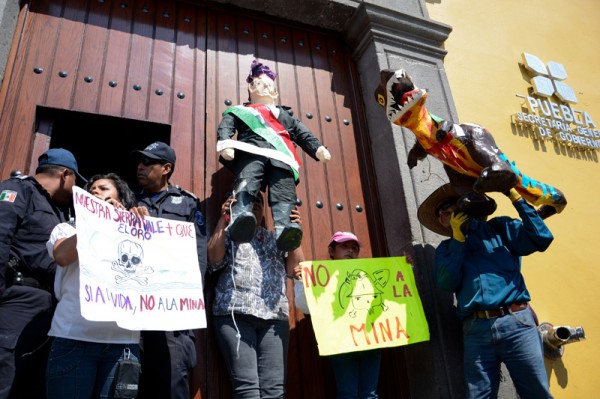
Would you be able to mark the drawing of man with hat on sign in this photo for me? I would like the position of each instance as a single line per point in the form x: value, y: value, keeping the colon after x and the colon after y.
x: 481, y: 264
x: 264, y: 155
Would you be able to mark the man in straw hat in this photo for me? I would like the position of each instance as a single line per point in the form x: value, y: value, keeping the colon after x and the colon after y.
x: 481, y: 264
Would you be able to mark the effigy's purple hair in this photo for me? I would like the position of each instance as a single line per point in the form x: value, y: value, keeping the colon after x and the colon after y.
x: 257, y: 69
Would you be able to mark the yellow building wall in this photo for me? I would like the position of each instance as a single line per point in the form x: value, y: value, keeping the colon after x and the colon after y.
x: 482, y: 65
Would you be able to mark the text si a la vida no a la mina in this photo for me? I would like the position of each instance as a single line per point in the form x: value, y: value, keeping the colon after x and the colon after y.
x: 147, y: 302
x: 134, y: 267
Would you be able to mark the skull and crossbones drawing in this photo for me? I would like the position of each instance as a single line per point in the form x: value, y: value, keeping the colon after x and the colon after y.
x: 129, y: 265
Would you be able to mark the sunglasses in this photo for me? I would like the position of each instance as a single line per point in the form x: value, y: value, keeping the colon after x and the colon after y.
x: 149, y: 161
x: 443, y: 208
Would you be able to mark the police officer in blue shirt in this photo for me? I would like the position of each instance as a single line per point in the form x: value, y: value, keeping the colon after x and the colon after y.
x: 30, y: 207
x: 167, y: 356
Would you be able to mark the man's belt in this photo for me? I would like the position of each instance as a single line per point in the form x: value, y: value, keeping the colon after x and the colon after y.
x: 14, y: 276
x: 499, y: 312
x: 19, y: 279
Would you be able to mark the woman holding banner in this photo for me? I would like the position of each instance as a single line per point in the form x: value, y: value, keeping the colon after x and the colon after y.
x: 84, y: 354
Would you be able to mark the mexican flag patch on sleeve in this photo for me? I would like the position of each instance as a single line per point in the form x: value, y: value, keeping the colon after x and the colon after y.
x: 8, y: 196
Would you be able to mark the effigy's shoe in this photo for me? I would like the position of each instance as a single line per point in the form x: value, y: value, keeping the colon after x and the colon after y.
x: 290, y: 238
x: 498, y: 177
x: 243, y: 227
x: 545, y: 211
x: 476, y: 205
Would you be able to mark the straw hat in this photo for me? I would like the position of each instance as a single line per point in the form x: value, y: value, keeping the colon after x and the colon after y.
x: 426, y: 213
x: 477, y: 205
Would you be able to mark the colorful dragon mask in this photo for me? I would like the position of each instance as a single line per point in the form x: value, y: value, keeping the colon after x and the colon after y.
x: 472, y: 160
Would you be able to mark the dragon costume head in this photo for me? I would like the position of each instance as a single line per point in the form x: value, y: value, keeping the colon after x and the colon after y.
x: 472, y: 160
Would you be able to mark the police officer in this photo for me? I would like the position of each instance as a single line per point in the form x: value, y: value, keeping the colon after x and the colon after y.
x: 155, y: 165
x: 30, y: 207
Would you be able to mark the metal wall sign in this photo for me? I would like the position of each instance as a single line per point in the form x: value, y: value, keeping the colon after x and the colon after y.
x: 549, y: 111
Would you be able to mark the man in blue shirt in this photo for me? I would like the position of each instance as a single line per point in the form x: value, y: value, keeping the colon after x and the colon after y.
x: 481, y: 264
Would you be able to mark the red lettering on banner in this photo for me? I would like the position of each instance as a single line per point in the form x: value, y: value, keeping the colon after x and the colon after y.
x: 147, y: 302
x: 359, y: 329
x: 405, y: 291
x: 382, y: 329
x: 399, y: 276
x: 321, y: 277
x: 191, y: 304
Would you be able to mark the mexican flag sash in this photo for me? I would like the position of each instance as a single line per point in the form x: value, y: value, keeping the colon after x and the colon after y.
x: 261, y: 120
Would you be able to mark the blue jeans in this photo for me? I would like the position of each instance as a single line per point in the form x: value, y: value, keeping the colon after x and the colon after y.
x: 79, y: 369
x: 513, y: 339
x: 357, y: 374
x: 257, y: 370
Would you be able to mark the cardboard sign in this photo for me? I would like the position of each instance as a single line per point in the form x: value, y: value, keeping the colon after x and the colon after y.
x: 142, y: 274
x: 361, y: 304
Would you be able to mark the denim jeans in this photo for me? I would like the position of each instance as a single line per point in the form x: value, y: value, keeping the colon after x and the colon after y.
x: 79, y: 369
x: 513, y: 339
x: 257, y: 369
x: 357, y: 374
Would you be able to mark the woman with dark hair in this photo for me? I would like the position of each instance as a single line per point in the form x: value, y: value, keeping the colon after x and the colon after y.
x: 112, y: 180
x: 84, y: 354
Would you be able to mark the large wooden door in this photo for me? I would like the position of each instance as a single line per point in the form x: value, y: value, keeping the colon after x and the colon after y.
x: 119, y: 74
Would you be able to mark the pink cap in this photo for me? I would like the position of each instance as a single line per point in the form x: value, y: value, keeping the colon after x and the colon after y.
x: 343, y: 236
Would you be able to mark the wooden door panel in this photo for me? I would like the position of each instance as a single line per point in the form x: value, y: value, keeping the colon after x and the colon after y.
x: 163, y: 61
x: 265, y: 42
x: 63, y: 72
x: 345, y: 141
x: 28, y: 88
x: 312, y: 101
x: 138, y: 85
x: 187, y: 132
x: 212, y: 97
x: 41, y: 143
x: 93, y: 51
x: 114, y: 78
x: 246, y: 31
x: 196, y: 41
x: 345, y: 165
